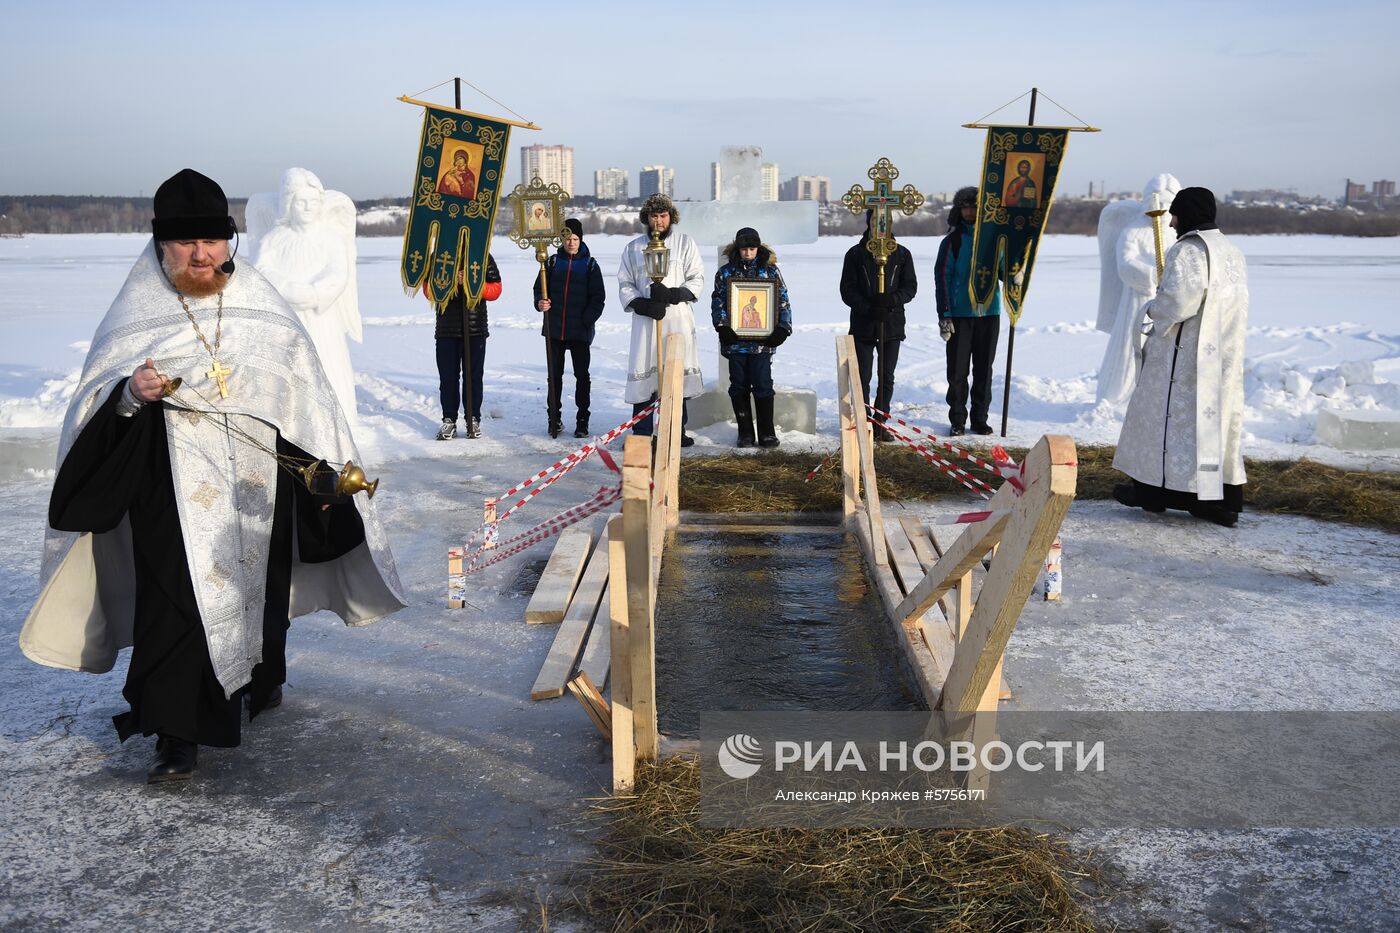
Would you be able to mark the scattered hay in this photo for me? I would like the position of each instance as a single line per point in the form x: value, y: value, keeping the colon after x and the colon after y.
x: 773, y: 482
x: 657, y: 869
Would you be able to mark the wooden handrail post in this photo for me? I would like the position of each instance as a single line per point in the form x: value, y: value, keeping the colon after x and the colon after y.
x: 641, y: 592
x: 845, y: 406
x: 624, y: 750
x: 865, y: 443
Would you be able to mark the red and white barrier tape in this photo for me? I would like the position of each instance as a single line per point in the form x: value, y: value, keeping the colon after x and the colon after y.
x: 551, y: 474
x: 604, y: 497
x: 1003, y: 468
x: 968, y: 518
x: 976, y: 485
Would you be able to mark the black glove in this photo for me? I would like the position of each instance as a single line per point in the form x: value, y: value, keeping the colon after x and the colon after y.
x: 776, y: 338
x: 649, y: 307
x: 879, y: 314
x: 726, y: 335
x: 884, y: 300
x: 670, y: 296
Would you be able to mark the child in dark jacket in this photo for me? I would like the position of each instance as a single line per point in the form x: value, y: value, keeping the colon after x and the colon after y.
x: 449, y: 337
x: 572, y: 309
x: 750, y: 359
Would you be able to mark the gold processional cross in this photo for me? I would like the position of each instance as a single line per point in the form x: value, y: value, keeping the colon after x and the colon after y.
x: 881, y: 243
x: 219, y: 374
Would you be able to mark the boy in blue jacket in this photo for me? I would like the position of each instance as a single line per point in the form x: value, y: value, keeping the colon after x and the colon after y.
x: 750, y: 360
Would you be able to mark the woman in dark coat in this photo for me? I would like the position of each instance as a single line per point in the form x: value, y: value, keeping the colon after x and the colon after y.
x: 448, y: 335
x: 572, y: 309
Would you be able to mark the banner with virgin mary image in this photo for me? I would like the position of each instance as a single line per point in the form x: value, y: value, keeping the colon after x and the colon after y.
x: 1019, y: 168
x: 456, y: 190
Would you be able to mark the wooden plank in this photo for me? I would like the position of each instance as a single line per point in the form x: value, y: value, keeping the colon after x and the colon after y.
x: 1050, y: 478
x: 556, y: 587
x: 591, y: 699
x: 730, y: 528
x: 906, y: 565
x: 676, y: 378
x: 965, y: 552
x: 921, y: 660
x: 597, y: 650
x: 865, y: 441
x: 624, y: 753
x: 578, y: 619
x: 957, y: 602
x: 850, y: 455
x: 641, y: 593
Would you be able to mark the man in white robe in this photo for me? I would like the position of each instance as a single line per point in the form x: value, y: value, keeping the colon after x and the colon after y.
x: 1181, y: 438
x: 176, y: 524
x: 665, y: 304
x: 1128, y: 280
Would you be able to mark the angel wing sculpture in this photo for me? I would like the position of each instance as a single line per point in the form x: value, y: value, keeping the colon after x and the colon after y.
x: 1127, y: 281
x: 303, y: 241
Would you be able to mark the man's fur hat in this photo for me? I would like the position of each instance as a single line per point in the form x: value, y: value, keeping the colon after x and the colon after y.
x: 655, y: 204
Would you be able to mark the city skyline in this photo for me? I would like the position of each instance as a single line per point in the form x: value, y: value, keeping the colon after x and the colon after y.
x: 1232, y: 100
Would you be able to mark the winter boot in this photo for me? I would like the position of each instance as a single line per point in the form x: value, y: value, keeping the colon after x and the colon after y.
x: 767, y: 437
x: 581, y: 427
x: 556, y: 427
x: 743, y: 414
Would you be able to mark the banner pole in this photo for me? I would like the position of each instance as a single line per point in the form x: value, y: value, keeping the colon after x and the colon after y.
x: 1011, y: 332
x: 468, y: 384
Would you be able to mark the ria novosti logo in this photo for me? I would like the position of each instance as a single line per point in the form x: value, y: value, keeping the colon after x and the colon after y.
x: 740, y: 756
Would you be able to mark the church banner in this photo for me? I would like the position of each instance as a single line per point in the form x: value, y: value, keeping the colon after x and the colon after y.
x: 456, y: 189
x: 1019, y: 169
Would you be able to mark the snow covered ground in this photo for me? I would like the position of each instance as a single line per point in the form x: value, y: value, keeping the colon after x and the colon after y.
x: 409, y: 782
x: 1317, y: 304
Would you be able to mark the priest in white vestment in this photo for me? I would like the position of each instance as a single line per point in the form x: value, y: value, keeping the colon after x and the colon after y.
x: 177, y: 525
x: 1181, y: 438
x: 666, y: 305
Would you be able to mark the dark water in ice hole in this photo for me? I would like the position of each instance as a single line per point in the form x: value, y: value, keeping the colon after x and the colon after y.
x: 771, y: 619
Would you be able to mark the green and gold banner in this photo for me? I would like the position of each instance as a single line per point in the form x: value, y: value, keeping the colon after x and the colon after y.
x: 1019, y: 168
x: 456, y: 188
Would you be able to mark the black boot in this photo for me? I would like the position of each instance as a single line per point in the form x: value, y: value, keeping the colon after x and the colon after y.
x: 175, y: 760
x: 743, y: 414
x: 767, y: 437
x: 581, y: 426
x: 556, y: 427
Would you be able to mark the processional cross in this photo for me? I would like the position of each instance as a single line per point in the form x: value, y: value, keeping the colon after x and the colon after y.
x: 881, y: 200
x: 219, y: 373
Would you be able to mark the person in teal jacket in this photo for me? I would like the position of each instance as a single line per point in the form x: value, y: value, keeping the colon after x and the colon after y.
x: 971, y: 334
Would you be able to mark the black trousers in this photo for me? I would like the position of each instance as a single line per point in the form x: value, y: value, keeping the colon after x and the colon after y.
x: 889, y: 359
x: 449, y: 364
x: 750, y: 372
x: 973, y: 345
x: 579, y: 356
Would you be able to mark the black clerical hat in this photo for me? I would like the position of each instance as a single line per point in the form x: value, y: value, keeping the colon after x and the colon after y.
x: 191, y: 206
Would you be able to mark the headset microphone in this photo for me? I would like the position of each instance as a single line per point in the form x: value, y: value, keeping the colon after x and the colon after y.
x: 228, y: 266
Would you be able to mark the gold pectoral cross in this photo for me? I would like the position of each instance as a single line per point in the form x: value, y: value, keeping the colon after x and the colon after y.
x: 219, y: 373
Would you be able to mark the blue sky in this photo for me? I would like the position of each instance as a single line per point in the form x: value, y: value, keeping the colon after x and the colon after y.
x: 111, y: 98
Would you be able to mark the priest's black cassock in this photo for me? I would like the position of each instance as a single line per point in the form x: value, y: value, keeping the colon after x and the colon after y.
x: 121, y: 466
x: 174, y: 531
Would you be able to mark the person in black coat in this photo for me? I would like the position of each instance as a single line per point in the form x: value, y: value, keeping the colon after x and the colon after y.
x: 448, y: 334
x: 877, y: 319
x: 575, y: 303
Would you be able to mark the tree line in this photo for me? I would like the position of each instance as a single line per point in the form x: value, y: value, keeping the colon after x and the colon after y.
x: 23, y: 214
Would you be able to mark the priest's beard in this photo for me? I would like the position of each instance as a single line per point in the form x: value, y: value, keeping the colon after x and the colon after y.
x: 187, y: 283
